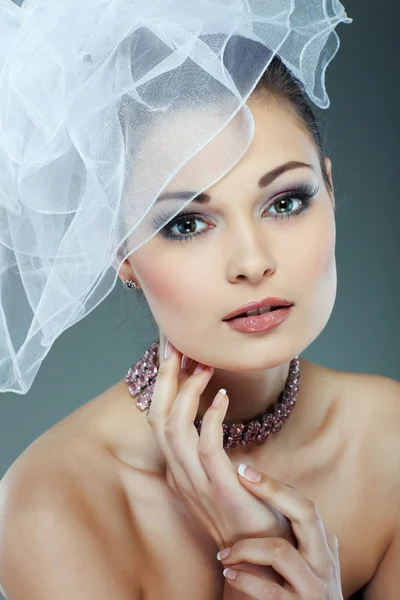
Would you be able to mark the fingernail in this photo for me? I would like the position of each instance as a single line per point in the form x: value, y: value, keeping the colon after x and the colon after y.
x: 224, y: 553
x: 185, y: 361
x: 168, y: 349
x: 218, y: 398
x: 230, y: 573
x: 200, y: 367
x: 248, y: 473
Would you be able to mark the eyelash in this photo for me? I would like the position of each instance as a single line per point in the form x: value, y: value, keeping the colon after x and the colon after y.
x: 303, y: 192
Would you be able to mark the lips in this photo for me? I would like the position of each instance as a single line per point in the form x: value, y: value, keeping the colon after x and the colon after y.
x: 244, y: 314
x: 261, y: 323
x: 273, y: 303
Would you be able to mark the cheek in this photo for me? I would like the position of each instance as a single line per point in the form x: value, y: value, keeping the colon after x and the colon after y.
x: 157, y: 283
x: 313, y: 279
x: 315, y: 275
x: 167, y: 292
x: 315, y: 251
x: 324, y: 261
x: 322, y: 258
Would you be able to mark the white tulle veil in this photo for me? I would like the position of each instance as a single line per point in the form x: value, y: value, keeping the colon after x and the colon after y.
x: 104, y: 106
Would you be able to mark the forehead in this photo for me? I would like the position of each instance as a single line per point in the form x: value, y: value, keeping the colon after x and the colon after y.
x: 277, y: 138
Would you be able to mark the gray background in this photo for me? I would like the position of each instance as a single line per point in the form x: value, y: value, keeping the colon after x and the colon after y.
x: 361, y: 129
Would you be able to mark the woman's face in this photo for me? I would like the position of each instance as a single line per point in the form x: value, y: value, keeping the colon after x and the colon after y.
x: 240, y: 253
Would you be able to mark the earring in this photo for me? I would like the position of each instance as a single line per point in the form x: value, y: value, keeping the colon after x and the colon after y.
x: 130, y: 285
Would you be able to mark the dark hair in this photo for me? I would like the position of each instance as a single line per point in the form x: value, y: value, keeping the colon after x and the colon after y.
x: 281, y: 85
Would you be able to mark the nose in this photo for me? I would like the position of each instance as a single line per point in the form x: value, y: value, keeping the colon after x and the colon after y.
x: 251, y: 258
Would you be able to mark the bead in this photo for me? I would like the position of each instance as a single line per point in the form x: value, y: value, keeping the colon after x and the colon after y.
x: 141, y: 403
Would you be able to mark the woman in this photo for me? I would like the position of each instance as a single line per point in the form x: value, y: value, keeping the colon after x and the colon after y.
x: 139, y: 508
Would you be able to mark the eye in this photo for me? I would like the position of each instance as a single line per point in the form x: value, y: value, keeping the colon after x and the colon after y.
x: 185, y: 226
x: 284, y: 204
x: 185, y: 231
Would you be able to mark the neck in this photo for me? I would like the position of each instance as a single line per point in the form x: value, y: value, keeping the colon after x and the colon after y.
x: 304, y: 426
x: 253, y: 393
x: 250, y: 393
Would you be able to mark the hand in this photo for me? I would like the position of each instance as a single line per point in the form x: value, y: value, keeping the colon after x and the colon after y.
x: 198, y: 468
x: 310, y: 572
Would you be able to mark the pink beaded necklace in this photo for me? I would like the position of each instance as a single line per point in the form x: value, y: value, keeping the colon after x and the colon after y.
x: 141, y: 379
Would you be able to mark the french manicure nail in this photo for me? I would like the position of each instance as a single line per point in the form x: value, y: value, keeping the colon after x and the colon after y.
x: 248, y: 473
x: 224, y: 553
x: 185, y: 361
x: 229, y: 573
x: 218, y: 398
x: 168, y: 349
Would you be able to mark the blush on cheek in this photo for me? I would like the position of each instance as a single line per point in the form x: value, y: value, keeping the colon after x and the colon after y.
x: 323, y: 269
x: 328, y: 249
x: 324, y: 254
x: 156, y: 282
x: 321, y: 252
x: 164, y: 292
x: 312, y: 258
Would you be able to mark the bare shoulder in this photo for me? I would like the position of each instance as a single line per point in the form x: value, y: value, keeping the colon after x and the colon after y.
x: 62, y: 497
x: 75, y: 459
x: 376, y: 396
x: 371, y: 400
x: 70, y: 462
x: 359, y: 387
x: 370, y: 405
x: 382, y: 394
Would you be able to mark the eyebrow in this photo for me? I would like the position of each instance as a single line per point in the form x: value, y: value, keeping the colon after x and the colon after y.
x: 265, y: 180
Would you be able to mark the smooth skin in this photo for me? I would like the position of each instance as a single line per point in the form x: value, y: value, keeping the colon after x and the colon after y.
x: 312, y: 570
x: 201, y: 472
x: 87, y: 510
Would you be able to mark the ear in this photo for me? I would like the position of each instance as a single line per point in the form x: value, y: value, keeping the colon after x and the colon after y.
x: 124, y: 270
x: 328, y: 166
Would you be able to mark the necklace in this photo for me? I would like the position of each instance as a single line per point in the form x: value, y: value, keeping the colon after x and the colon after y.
x: 141, y: 380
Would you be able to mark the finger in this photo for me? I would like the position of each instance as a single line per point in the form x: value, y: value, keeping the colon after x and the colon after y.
x: 256, y: 587
x: 166, y: 388
x: 187, y: 368
x: 211, y: 446
x: 180, y: 432
x: 333, y: 544
x: 303, y: 513
x: 166, y: 391
x: 279, y: 554
x: 186, y: 405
